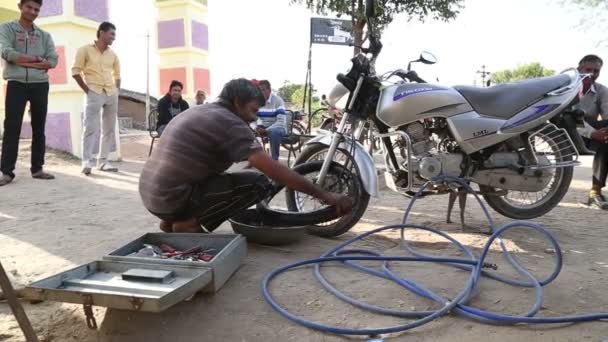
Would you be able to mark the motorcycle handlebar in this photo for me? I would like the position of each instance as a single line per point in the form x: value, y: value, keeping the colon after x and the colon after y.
x: 410, y: 75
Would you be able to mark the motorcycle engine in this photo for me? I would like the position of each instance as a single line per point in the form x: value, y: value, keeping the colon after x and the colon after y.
x: 440, y: 164
x: 428, y: 162
x: 420, y: 136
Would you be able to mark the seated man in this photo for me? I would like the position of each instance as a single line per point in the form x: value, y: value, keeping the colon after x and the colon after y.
x: 595, y: 105
x: 184, y: 183
x: 170, y: 106
x: 200, y: 98
x: 272, y: 119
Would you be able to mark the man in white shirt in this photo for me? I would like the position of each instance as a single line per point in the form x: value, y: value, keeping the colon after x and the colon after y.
x: 200, y: 98
x: 594, y: 103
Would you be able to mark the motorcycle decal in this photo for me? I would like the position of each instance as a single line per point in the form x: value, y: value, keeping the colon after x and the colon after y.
x: 539, y: 111
x: 414, y: 91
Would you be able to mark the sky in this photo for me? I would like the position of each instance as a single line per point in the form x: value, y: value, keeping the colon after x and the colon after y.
x: 269, y: 39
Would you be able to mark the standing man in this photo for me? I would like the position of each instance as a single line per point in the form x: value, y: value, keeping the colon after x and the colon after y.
x: 170, y: 106
x: 29, y: 53
x: 595, y: 105
x: 101, y: 70
x: 272, y: 119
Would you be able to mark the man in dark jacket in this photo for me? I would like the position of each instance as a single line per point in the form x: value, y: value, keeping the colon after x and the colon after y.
x: 170, y: 106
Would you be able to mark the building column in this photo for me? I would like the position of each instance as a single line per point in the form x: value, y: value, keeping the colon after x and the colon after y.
x: 183, y: 45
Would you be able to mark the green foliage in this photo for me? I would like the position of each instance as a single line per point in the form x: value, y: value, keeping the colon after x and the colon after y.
x: 386, y: 11
x: 589, y: 3
x: 521, y: 72
x: 293, y: 95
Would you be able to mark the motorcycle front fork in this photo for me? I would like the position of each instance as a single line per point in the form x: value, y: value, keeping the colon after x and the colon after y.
x: 336, y: 139
x: 338, y: 135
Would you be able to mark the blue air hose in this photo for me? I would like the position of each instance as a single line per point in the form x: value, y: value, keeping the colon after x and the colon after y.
x: 458, y: 304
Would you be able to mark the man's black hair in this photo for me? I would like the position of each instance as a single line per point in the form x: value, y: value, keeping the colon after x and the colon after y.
x: 591, y: 59
x: 176, y: 83
x: 241, y: 90
x: 265, y: 84
x: 105, y: 27
x: 39, y: 2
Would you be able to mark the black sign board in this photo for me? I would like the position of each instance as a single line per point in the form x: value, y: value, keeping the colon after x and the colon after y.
x: 331, y: 31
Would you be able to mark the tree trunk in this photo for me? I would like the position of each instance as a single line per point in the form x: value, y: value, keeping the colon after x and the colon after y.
x: 358, y: 38
x: 358, y: 20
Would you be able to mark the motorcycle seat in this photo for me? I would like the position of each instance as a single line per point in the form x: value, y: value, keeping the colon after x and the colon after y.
x: 506, y: 100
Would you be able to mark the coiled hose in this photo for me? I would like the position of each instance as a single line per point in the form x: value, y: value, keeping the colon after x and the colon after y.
x: 458, y: 304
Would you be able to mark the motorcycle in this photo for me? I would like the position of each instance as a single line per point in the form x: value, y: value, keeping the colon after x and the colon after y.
x: 512, y: 140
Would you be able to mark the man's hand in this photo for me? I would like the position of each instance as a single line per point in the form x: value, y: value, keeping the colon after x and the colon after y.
x: 40, y: 65
x: 44, y: 64
x: 342, y: 203
x: 81, y: 83
x: 601, y: 135
x: 260, y: 131
x: 27, y: 59
x: 283, y: 175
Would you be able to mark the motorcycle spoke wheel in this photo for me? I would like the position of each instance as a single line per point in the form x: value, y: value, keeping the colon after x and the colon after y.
x: 339, y: 184
x: 546, y: 148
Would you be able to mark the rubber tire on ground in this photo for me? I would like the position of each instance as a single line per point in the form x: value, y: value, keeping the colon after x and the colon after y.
x: 293, y: 218
x: 345, y: 223
x: 504, y: 208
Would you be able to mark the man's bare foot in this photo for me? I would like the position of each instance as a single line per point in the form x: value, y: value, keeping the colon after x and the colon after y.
x: 188, y: 226
x: 166, y: 226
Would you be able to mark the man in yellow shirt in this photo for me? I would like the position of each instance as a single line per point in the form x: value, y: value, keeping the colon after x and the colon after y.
x: 101, y: 84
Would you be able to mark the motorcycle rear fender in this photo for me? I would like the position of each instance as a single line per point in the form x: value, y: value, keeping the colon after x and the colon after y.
x: 365, y: 163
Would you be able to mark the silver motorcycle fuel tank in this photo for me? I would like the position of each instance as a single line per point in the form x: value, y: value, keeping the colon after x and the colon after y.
x: 404, y: 103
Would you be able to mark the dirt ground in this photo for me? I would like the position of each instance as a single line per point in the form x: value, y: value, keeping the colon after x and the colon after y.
x: 49, y: 227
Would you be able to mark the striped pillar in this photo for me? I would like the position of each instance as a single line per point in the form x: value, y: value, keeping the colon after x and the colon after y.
x: 183, y: 45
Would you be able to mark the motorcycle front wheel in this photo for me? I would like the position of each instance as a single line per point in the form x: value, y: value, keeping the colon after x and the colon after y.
x: 344, y: 184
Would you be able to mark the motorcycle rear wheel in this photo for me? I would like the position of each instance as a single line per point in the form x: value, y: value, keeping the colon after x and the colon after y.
x: 521, y: 205
x: 509, y: 208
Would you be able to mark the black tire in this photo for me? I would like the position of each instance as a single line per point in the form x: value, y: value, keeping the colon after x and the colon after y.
x: 359, y: 196
x: 292, y: 218
x: 502, y: 206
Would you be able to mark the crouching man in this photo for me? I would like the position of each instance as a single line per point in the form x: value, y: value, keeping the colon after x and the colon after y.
x: 184, y: 184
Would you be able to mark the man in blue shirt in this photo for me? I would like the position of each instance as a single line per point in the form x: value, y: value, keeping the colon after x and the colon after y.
x: 272, y: 119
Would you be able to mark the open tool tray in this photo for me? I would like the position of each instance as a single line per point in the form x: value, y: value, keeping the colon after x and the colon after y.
x: 230, y: 252
x: 121, y: 281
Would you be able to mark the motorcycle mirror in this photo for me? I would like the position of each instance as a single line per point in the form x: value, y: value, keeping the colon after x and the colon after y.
x: 370, y: 8
x: 427, y: 58
x: 323, y: 97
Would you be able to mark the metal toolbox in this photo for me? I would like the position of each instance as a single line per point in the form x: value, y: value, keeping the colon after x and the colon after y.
x: 126, y: 282
x: 232, y: 251
x: 101, y: 283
